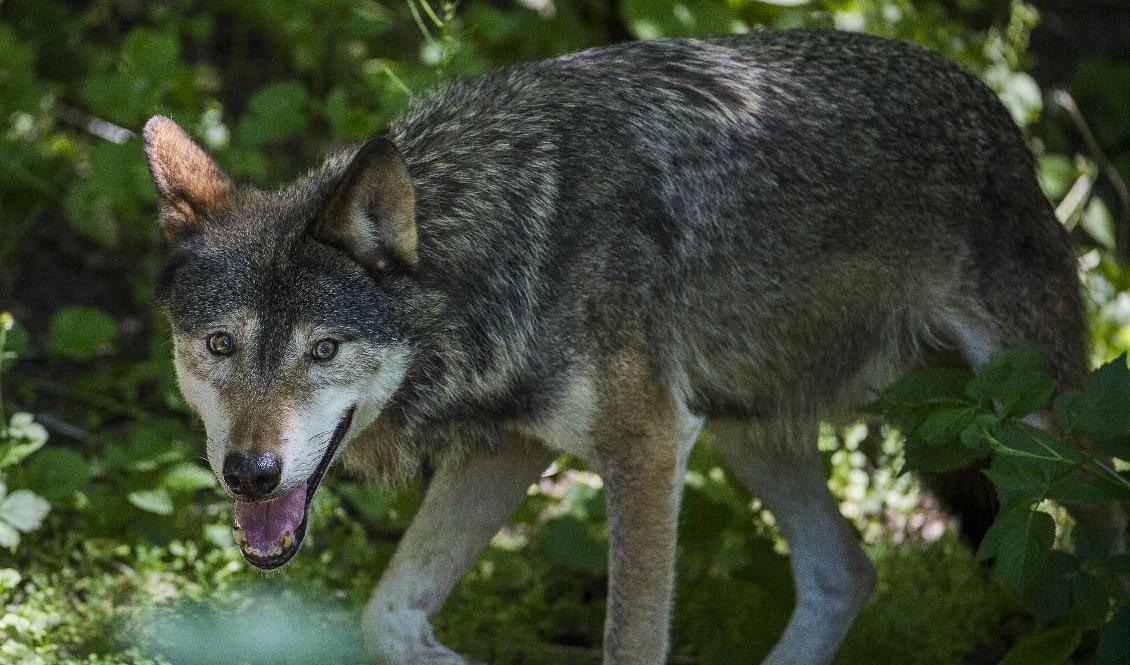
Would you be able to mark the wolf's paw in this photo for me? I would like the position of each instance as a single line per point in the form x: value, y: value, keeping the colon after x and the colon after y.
x: 404, y: 637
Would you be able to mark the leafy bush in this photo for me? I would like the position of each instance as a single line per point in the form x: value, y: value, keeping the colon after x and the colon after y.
x: 21, y: 511
x: 136, y: 523
x: 953, y: 418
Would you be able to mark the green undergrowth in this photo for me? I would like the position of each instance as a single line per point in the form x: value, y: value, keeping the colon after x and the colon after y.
x: 536, y: 595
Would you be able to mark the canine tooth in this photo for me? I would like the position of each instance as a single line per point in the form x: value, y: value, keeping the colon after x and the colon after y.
x: 240, y: 539
x: 287, y: 540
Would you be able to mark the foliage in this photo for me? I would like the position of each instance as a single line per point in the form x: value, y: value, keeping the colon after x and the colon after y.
x: 953, y: 418
x: 137, y: 541
x: 21, y: 511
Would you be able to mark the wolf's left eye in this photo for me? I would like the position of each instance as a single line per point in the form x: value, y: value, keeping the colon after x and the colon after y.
x: 220, y: 344
x: 324, y: 349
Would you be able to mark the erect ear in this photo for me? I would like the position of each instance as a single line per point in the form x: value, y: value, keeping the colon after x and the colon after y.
x: 189, y: 184
x: 371, y: 213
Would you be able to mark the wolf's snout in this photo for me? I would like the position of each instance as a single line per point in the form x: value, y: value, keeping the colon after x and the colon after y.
x: 252, y: 476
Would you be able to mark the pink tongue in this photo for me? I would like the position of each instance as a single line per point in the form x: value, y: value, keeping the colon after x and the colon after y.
x: 265, y: 522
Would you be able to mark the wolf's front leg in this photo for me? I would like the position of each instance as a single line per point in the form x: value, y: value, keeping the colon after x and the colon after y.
x: 467, y: 502
x: 643, y: 467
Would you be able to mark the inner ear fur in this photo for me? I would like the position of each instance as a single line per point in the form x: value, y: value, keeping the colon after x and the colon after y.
x: 370, y: 213
x: 190, y: 187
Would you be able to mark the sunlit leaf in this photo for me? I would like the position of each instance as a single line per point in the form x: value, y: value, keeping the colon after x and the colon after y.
x: 154, y: 501
x: 24, y: 510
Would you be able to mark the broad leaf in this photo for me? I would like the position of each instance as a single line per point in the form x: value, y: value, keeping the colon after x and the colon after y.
x: 57, y: 472
x: 153, y: 501
x: 1050, y: 647
x: 1020, y: 540
x: 14, y: 451
x: 1018, y: 438
x: 80, y: 332
x: 1017, y: 379
x: 24, y: 510
x: 1089, y: 599
x: 1018, y: 474
x: 936, y: 444
x: 1101, y: 411
x: 187, y: 477
x: 1049, y: 595
x: 1076, y: 490
x: 915, y: 395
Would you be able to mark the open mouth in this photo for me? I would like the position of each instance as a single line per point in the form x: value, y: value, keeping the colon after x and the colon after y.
x: 269, y: 532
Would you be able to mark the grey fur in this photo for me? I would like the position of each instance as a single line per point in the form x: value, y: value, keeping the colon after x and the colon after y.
x: 753, y: 229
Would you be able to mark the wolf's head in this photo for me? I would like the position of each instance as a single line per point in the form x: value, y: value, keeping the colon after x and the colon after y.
x: 286, y: 327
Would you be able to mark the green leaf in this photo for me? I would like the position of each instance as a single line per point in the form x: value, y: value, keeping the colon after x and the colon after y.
x: 1018, y: 474
x: 274, y: 112
x: 973, y: 436
x: 927, y: 387
x: 80, y: 333
x: 1114, y: 646
x: 57, y: 472
x: 936, y: 444
x: 1016, y: 378
x: 153, y: 501
x: 1018, y: 438
x: 1048, y: 597
x: 151, y: 55
x: 1056, y: 174
x: 1101, y: 411
x: 1089, y: 599
x: 14, y: 451
x: 24, y: 510
x: 187, y: 477
x: 1020, y: 540
x: 1050, y: 647
x: 1076, y: 490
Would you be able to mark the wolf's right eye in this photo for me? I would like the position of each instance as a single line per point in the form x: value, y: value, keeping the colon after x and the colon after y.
x: 221, y: 344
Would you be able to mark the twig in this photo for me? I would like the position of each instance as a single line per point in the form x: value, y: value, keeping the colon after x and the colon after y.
x: 103, y: 129
x: 1065, y: 101
x: 431, y: 13
x: 68, y: 430
x: 420, y: 21
x: 1066, y: 211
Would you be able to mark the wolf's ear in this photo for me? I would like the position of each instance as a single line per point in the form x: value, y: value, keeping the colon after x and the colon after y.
x: 371, y: 213
x: 189, y: 184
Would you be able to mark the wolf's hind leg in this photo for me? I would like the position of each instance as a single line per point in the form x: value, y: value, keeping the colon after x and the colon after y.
x: 467, y: 501
x: 832, y: 575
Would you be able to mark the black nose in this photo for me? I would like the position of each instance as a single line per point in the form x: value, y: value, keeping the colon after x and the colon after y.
x: 252, y: 475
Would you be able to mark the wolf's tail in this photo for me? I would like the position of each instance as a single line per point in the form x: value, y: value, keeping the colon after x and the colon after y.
x: 968, y: 495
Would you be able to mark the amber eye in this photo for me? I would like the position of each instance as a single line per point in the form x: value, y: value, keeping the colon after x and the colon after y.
x: 221, y: 344
x: 324, y: 349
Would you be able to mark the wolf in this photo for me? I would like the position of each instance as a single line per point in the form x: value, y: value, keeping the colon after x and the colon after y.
x: 599, y: 255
